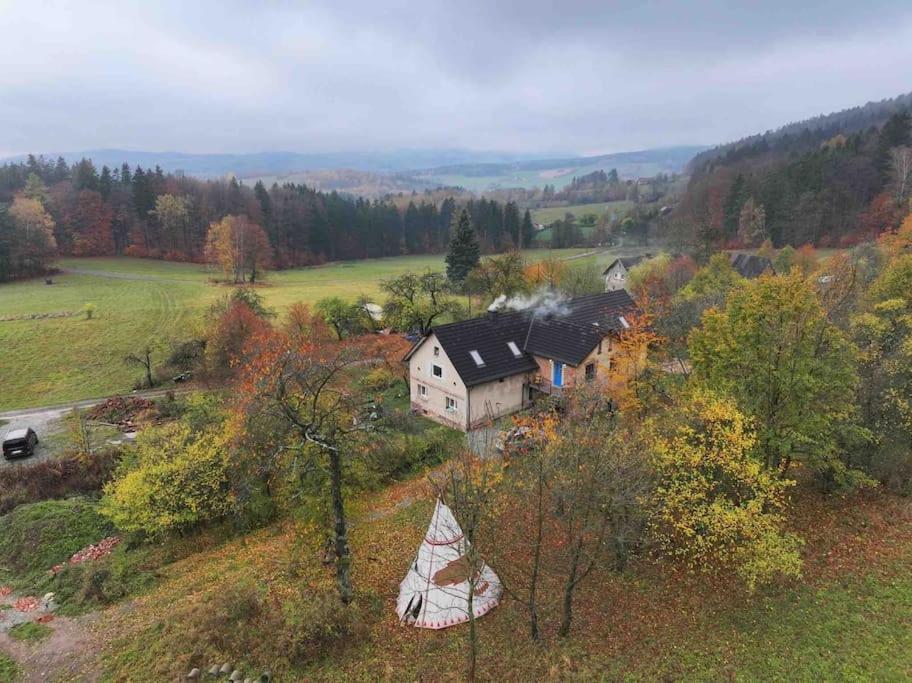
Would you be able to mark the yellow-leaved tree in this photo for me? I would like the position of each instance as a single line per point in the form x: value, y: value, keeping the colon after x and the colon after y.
x: 173, y: 480
x: 716, y: 506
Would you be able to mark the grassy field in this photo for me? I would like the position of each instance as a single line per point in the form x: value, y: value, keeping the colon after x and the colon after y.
x: 554, y: 213
x: 48, y: 360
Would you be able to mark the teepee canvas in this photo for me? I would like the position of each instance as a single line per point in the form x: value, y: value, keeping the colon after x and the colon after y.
x: 435, y: 592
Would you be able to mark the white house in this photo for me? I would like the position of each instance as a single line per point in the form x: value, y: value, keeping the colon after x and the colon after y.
x: 465, y: 373
x: 616, y: 274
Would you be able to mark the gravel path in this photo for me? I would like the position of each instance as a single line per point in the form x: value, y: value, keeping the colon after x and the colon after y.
x: 46, y: 422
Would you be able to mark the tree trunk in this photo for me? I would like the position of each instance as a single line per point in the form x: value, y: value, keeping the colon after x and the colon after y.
x: 340, y: 530
x: 569, y: 586
x: 149, y: 369
x: 473, y: 635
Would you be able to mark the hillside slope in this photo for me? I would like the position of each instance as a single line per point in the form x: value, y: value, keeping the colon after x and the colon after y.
x: 834, y: 180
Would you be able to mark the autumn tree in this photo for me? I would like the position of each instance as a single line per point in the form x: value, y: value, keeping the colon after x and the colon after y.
x: 31, y: 241
x: 304, y: 385
x: 173, y: 215
x: 498, y: 275
x: 239, y: 247
x: 344, y: 317
x: 176, y: 478
x: 715, y: 280
x: 752, y: 223
x: 715, y: 506
x: 89, y: 221
x: 772, y: 348
x: 416, y: 301
x: 231, y: 327
x: 547, y: 272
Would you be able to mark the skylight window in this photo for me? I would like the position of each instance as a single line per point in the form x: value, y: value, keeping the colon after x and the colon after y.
x: 624, y: 322
x: 477, y: 358
x: 514, y: 348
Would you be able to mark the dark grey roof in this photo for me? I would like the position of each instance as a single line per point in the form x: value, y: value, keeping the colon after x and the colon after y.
x: 489, y: 336
x: 627, y: 261
x: 750, y: 266
x: 562, y: 340
x: 567, y: 338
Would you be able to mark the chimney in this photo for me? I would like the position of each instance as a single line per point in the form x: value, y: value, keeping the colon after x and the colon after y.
x: 491, y: 315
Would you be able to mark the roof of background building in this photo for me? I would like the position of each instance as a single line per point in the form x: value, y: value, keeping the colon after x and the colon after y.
x: 750, y: 265
x: 627, y: 261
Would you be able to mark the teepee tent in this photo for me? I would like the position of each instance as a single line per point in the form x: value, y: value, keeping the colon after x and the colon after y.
x: 435, y: 592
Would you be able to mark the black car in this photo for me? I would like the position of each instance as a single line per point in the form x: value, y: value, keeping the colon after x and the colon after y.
x: 19, y: 443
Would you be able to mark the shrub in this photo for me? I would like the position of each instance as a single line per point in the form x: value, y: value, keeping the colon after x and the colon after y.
x: 55, y: 478
x: 248, y: 622
x: 37, y: 536
x: 173, y: 480
x: 93, y: 584
x: 379, y: 378
x: 89, y: 310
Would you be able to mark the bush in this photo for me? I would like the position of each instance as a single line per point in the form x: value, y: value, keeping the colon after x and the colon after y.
x: 247, y: 622
x: 55, y: 478
x: 379, y: 378
x: 93, y: 584
x: 37, y: 536
x: 174, y: 479
x: 399, y: 455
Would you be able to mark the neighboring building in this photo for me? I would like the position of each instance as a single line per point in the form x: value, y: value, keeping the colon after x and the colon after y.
x: 616, y: 274
x: 465, y: 373
x: 750, y: 266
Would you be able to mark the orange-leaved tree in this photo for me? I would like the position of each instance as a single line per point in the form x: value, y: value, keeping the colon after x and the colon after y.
x: 239, y: 247
x: 299, y: 382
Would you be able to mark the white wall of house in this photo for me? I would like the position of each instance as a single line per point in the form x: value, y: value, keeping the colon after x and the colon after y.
x: 442, y: 398
x: 616, y: 277
x: 496, y: 399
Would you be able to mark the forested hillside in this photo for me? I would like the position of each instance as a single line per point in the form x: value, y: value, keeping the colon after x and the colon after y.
x: 834, y: 180
x: 49, y: 208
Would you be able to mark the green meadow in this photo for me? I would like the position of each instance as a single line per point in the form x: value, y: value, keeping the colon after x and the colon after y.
x: 49, y: 360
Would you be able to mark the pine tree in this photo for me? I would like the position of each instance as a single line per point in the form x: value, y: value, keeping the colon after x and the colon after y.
x: 463, y: 252
x: 527, y: 232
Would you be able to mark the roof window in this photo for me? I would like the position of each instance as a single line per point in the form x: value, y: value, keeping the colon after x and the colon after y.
x: 514, y: 348
x: 624, y: 322
x: 479, y: 361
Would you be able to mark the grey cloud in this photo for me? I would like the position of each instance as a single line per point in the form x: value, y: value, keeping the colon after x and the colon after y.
x: 531, y: 76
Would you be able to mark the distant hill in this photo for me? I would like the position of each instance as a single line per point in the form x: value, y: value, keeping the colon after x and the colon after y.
x: 376, y: 173
x: 559, y: 172
x: 256, y: 164
x: 804, y: 133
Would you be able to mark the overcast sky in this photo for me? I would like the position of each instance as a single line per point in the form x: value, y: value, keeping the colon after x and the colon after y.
x: 530, y: 76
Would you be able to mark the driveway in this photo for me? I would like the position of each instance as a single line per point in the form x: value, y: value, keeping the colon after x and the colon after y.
x: 47, y: 422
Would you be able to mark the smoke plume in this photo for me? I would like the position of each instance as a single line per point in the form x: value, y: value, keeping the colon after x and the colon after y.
x: 543, y: 302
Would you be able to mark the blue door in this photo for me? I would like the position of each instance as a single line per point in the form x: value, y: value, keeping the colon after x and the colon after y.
x: 557, y: 374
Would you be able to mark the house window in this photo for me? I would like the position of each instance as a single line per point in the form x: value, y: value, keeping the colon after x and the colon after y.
x: 437, y: 371
x: 479, y: 361
x: 590, y: 372
x: 514, y: 349
x: 450, y: 404
x: 436, y: 350
x: 422, y: 391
